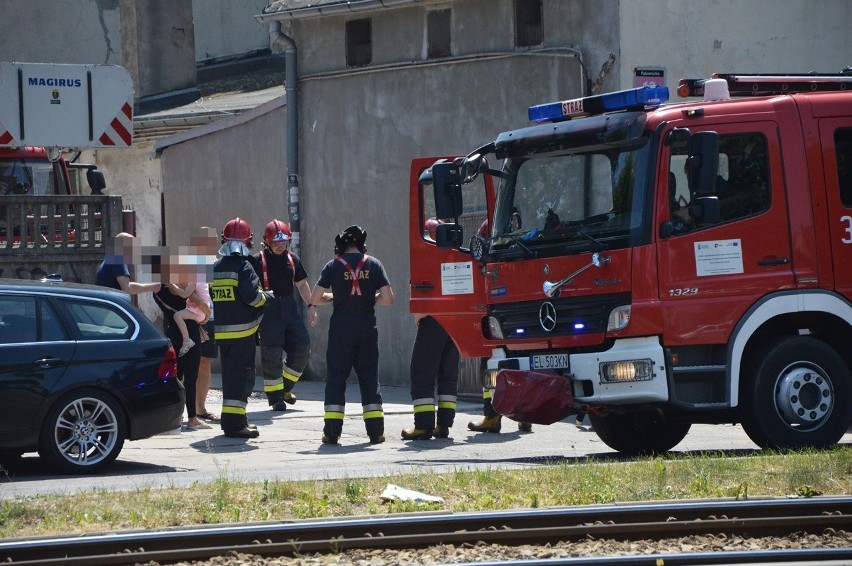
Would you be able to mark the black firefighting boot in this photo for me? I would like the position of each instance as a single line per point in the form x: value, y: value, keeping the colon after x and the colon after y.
x: 525, y: 427
x: 289, y: 398
x: 446, y: 417
x: 424, y: 422
x: 441, y: 431
x: 487, y: 424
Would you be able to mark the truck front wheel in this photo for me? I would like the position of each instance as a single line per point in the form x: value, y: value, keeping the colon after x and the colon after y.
x: 799, y: 396
x: 639, y: 433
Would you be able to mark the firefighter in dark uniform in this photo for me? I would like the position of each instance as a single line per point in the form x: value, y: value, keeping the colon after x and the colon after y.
x: 238, y: 300
x: 282, y: 330
x: 358, y: 282
x: 434, y: 359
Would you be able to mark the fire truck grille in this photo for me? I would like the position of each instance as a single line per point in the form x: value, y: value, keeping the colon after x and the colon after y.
x: 570, y: 316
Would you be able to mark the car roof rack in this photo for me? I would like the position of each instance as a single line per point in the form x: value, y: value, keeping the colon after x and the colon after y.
x: 763, y: 84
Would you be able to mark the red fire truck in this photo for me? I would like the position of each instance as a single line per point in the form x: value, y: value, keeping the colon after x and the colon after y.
x: 676, y: 263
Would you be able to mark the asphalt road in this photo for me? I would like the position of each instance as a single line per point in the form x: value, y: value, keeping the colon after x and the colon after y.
x: 289, y: 448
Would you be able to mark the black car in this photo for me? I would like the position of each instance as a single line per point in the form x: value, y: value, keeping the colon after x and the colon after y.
x: 81, y: 371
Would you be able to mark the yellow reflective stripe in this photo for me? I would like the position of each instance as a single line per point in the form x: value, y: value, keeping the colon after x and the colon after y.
x: 373, y: 415
x: 446, y: 405
x: 228, y: 280
x: 279, y: 386
x: 234, y: 410
x: 333, y: 415
x: 259, y: 300
x: 486, y: 393
x: 224, y: 335
x: 424, y: 408
x: 290, y: 375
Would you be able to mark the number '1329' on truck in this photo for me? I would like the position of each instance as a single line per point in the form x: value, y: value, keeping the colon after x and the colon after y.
x: 676, y: 263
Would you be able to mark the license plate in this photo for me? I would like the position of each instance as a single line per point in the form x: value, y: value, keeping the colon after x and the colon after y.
x: 549, y: 361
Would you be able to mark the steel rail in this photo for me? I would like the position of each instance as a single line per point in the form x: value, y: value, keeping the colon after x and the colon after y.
x: 536, y: 526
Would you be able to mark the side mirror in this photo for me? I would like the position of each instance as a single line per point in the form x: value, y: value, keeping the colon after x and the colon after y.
x: 447, y: 190
x: 449, y: 236
x: 96, y: 181
x: 703, y: 163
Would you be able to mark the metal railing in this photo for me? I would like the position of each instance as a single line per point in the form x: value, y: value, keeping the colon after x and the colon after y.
x: 33, y: 225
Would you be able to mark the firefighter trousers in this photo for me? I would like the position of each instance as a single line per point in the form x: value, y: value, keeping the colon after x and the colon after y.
x: 353, y: 343
x: 434, y: 362
x: 237, y: 360
x: 282, y: 333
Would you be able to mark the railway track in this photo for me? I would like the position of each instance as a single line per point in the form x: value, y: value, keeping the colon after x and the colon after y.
x: 645, y: 521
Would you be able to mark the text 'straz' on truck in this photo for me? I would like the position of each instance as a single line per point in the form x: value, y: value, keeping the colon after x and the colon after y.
x: 46, y: 109
x: 676, y: 263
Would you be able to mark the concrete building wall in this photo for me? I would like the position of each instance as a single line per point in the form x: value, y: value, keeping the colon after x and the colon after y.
x: 696, y: 39
x: 227, y: 28
x: 233, y: 171
x: 61, y: 31
x: 158, y: 38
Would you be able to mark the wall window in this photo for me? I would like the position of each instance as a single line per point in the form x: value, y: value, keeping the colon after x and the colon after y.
x: 843, y: 146
x: 359, y: 43
x: 528, y: 23
x: 438, y: 34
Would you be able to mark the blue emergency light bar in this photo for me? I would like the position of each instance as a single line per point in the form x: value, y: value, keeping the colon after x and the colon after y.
x: 630, y: 99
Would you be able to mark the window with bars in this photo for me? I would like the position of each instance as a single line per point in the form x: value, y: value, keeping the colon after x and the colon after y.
x: 528, y: 23
x: 438, y: 34
x: 359, y: 43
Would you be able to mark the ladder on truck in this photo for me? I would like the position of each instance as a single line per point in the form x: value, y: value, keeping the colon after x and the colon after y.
x: 762, y: 84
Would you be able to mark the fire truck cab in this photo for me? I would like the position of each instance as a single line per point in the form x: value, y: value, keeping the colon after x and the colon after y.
x: 678, y: 263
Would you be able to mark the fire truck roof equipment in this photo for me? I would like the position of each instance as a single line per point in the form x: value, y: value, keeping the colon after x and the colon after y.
x: 756, y: 84
x: 630, y: 99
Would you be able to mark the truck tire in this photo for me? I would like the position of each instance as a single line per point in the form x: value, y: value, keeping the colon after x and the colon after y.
x: 639, y: 433
x: 797, y: 395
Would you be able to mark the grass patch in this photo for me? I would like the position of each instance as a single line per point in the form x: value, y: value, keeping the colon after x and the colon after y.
x: 768, y: 474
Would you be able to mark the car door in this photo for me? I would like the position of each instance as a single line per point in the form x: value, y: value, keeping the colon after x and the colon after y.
x: 836, y: 136
x: 35, y: 351
x: 447, y: 283
x: 710, y: 274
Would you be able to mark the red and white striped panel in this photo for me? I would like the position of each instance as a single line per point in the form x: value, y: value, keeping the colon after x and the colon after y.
x: 5, y: 135
x: 120, y: 130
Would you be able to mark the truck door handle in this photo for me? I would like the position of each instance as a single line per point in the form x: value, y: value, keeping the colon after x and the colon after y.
x: 422, y: 286
x: 773, y: 261
x: 46, y: 362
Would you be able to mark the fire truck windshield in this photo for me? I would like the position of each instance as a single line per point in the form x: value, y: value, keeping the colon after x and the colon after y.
x: 19, y: 176
x: 580, y: 186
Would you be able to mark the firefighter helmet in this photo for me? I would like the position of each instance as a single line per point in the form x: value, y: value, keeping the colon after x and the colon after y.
x: 237, y: 230
x: 431, y: 226
x: 277, y: 231
x: 236, y: 238
x: 351, y: 235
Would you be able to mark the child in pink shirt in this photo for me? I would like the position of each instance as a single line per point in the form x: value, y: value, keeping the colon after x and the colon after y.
x: 192, y: 312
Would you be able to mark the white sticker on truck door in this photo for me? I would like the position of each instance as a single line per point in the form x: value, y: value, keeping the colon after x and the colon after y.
x: 457, y: 278
x: 718, y: 257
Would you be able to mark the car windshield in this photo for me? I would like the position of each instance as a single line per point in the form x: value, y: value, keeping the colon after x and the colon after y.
x: 567, y: 192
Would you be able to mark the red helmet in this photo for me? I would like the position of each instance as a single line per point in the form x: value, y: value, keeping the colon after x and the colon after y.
x: 277, y: 231
x: 431, y: 226
x: 237, y: 230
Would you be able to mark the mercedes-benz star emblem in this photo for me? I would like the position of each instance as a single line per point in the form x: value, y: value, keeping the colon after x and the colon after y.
x: 547, y: 316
